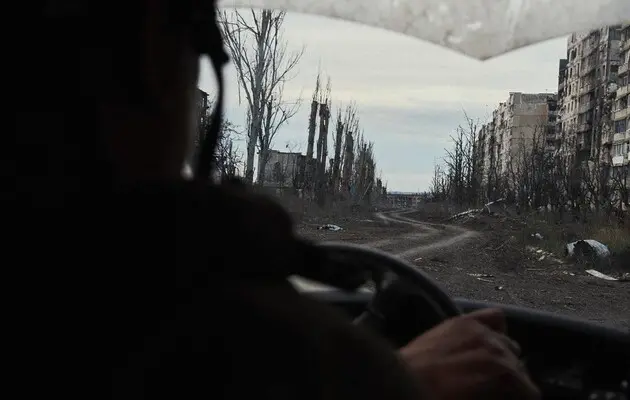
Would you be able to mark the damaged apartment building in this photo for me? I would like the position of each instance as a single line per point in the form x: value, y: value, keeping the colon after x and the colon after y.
x: 519, y: 122
x: 620, y: 140
x: 593, y: 96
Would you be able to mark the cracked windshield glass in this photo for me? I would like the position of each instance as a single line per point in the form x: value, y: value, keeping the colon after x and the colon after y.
x: 505, y: 180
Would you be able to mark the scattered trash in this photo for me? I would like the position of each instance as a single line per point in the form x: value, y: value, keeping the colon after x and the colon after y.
x: 418, y: 259
x: 541, y: 258
x: 499, y: 288
x: 586, y: 247
x: 537, y: 236
x: 599, y: 275
x: 330, y: 227
x: 484, y: 280
x: 568, y: 273
x: 625, y: 277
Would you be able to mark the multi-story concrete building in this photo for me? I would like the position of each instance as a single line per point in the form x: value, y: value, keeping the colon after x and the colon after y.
x: 519, y: 122
x: 561, y: 97
x: 404, y: 199
x: 620, y: 151
x: 584, y: 85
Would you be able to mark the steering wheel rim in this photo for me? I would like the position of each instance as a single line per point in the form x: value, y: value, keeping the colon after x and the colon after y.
x: 411, y: 284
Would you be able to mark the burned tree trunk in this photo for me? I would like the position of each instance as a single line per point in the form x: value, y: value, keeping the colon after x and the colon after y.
x: 309, y: 166
x: 322, y: 153
x: 336, y: 161
x: 348, y: 163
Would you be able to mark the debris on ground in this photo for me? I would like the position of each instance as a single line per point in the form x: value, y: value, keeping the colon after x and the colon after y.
x: 542, y: 255
x: 482, y: 277
x: 588, y: 247
x: 537, y: 236
x: 468, y: 214
x: 494, y: 206
x: 599, y: 275
x: 495, y: 209
x: 330, y: 227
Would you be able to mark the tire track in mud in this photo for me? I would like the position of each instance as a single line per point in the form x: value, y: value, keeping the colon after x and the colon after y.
x: 427, y: 238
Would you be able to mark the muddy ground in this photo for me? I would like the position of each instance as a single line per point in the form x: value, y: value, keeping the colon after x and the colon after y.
x: 491, y: 259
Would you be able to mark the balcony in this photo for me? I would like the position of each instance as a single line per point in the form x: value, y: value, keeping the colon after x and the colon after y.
x: 618, y: 160
x: 622, y: 91
x: 621, y: 114
x: 625, y: 45
x: 623, y: 68
x: 585, y: 107
x: 619, y: 137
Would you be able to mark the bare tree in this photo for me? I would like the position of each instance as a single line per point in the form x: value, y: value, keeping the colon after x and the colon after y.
x: 263, y: 66
x: 462, y: 166
x: 348, y: 123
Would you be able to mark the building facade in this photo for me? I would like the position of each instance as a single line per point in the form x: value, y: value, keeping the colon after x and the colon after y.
x: 587, y: 80
x: 519, y: 122
x: 620, y: 141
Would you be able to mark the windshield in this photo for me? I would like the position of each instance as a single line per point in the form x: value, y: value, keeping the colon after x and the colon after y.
x: 505, y: 180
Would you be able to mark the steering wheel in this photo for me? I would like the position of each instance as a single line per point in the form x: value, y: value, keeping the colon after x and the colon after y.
x: 407, y: 302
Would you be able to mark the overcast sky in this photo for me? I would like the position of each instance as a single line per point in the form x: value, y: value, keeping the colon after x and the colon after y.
x: 410, y: 94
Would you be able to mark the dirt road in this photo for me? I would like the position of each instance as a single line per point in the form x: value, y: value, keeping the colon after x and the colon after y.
x: 425, y: 239
x: 466, y: 264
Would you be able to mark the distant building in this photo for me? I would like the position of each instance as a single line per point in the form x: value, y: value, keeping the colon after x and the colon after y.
x: 283, y: 169
x: 404, y: 200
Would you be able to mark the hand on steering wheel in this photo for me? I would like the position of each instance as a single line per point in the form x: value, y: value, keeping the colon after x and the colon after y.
x: 456, y: 356
x: 406, y: 303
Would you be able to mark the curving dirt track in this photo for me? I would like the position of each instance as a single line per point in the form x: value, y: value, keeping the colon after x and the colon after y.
x: 463, y: 262
x: 425, y: 239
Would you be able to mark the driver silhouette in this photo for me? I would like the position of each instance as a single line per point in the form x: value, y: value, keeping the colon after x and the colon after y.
x: 179, y: 287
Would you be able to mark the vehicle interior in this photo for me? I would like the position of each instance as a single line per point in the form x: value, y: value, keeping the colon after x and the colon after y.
x: 569, y: 358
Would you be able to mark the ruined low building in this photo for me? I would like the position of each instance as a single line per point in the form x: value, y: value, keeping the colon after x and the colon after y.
x: 283, y: 169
